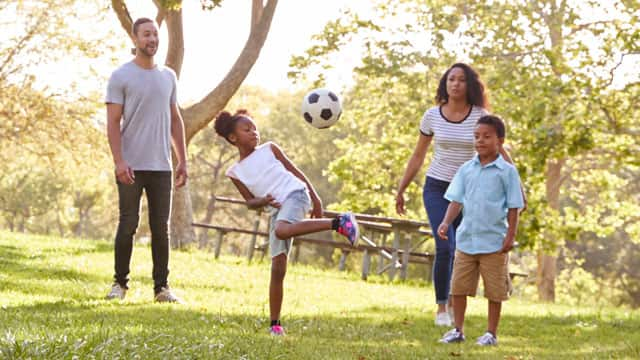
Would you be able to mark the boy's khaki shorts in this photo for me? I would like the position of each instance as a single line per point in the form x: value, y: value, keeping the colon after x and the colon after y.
x: 493, y: 267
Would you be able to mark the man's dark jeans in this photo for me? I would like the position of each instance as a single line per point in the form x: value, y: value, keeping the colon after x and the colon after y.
x: 157, y: 186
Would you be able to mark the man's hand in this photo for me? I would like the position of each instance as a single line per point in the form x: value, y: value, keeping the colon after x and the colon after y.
x: 181, y: 175
x: 124, y: 173
x: 443, y: 229
x: 507, y: 244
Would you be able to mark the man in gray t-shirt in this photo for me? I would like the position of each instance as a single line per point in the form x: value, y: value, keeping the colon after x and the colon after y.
x: 142, y: 121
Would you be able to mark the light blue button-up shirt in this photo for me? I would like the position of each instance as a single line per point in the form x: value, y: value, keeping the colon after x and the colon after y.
x: 486, y: 194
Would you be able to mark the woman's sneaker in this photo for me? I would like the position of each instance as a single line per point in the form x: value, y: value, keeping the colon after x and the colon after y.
x: 452, y: 336
x: 443, y: 319
x: 276, y: 330
x: 348, y: 226
x: 117, y: 292
x: 487, y: 340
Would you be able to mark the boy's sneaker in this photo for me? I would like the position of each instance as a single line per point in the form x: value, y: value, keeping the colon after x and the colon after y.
x: 348, y: 226
x: 117, y: 292
x: 276, y: 330
x: 443, y: 319
x: 487, y: 340
x: 452, y: 336
x: 165, y: 295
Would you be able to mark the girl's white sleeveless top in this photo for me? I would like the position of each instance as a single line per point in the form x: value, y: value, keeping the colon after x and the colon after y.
x: 262, y: 173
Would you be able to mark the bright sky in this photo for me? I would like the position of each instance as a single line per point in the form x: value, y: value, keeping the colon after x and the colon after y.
x: 214, y: 39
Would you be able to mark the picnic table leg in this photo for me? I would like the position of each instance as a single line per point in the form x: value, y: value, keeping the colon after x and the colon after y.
x: 394, y: 255
x: 265, y: 245
x: 366, y: 257
x: 381, y: 259
x: 405, y: 258
x: 343, y: 260
x: 219, y: 244
x: 203, y: 240
x: 429, y: 272
x: 254, y: 237
x: 366, y: 263
x: 296, y: 250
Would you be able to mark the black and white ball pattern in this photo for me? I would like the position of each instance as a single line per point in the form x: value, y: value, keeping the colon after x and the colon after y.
x: 321, y: 108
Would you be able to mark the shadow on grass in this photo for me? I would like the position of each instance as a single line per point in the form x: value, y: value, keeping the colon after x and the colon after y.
x: 115, y: 329
x: 31, y: 274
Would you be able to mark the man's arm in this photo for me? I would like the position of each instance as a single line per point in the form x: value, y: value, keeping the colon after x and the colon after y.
x: 179, y: 145
x: 124, y: 173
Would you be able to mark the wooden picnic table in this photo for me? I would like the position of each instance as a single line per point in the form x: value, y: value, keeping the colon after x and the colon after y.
x: 405, y: 232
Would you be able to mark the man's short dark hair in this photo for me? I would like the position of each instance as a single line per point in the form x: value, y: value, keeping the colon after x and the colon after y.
x: 137, y: 23
x: 494, y: 121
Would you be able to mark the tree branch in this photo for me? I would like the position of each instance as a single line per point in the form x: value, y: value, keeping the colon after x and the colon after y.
x: 124, y: 17
x: 581, y: 27
x: 175, y: 52
x: 201, y: 113
x: 611, y: 72
x: 16, y: 49
x: 162, y: 12
x: 256, y: 13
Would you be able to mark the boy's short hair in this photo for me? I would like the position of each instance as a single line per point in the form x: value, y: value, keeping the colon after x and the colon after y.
x: 494, y: 121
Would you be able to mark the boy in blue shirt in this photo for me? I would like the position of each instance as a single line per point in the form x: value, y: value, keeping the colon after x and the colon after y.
x: 487, y: 189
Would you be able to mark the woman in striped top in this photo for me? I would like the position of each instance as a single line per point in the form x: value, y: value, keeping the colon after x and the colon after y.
x: 461, y: 102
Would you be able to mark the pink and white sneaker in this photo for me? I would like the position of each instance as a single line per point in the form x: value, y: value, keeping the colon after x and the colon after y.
x: 348, y: 226
x: 276, y: 330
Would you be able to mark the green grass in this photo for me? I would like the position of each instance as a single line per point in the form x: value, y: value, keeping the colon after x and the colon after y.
x: 51, y: 296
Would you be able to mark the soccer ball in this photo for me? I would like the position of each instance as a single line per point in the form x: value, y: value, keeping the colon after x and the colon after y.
x: 321, y: 108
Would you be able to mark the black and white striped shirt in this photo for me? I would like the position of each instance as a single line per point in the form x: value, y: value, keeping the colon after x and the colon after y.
x: 453, y: 141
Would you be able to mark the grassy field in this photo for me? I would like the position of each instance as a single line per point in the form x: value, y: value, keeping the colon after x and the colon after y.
x: 52, y: 289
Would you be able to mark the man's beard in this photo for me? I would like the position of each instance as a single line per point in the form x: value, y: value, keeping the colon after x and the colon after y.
x: 148, y: 52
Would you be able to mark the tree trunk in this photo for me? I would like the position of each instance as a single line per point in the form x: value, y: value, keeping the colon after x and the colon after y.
x: 546, y: 276
x: 181, y: 231
x: 547, y: 269
x: 547, y: 259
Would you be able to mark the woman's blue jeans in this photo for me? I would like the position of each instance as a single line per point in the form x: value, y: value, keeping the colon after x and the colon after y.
x: 436, y: 206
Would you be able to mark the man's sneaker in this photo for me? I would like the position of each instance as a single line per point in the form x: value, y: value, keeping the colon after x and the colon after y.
x: 348, y: 226
x: 117, y: 292
x: 276, y: 330
x: 452, y: 336
x: 443, y: 319
x: 487, y: 340
x: 165, y: 295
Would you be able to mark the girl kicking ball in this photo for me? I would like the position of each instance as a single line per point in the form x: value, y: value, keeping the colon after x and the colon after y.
x: 265, y: 176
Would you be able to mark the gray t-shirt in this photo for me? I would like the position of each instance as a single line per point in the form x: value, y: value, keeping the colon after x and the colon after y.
x: 146, y: 96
